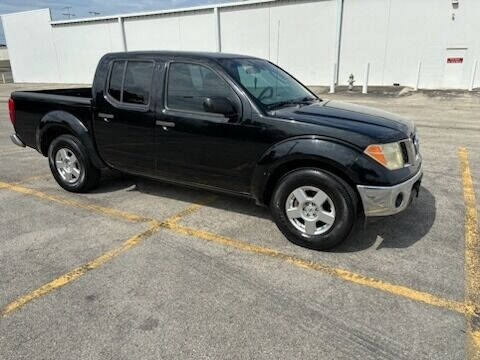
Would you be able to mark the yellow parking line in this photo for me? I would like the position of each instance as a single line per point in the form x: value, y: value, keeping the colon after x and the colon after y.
x: 472, y: 259
x: 79, y: 271
x: 332, y: 271
x: 82, y: 270
x: 75, y: 203
x: 172, y: 224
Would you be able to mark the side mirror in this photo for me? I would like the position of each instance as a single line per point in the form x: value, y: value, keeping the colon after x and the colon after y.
x: 220, y: 105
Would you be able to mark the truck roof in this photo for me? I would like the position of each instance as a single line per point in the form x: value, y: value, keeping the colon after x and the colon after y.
x: 171, y: 53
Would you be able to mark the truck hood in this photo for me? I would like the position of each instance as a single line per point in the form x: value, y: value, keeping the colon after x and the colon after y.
x: 346, y: 115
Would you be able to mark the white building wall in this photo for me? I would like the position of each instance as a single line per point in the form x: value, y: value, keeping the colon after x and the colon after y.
x: 192, y: 31
x: 238, y: 37
x: 393, y: 35
x: 80, y: 46
x: 32, y: 52
x: 4, y: 54
x: 307, y: 39
x: 275, y: 32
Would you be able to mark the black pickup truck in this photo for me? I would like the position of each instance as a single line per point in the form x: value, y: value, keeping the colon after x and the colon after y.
x: 230, y: 123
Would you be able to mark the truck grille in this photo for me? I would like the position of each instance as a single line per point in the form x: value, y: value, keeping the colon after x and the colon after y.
x: 403, y: 146
x: 410, y: 150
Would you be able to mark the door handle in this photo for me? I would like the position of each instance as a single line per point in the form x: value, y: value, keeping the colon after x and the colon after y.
x: 105, y: 117
x: 165, y: 123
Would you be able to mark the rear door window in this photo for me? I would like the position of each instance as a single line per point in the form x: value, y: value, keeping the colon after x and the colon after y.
x: 133, y: 84
x: 138, y: 81
x: 116, y: 78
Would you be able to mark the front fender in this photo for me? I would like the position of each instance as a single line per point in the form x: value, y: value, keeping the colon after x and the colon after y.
x: 62, y: 120
x: 344, y: 159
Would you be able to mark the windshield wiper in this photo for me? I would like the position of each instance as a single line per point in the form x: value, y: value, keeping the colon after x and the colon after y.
x: 303, y: 101
x: 308, y: 99
x: 281, y: 104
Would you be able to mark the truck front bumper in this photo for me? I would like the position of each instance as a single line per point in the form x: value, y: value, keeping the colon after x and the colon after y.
x: 389, y: 200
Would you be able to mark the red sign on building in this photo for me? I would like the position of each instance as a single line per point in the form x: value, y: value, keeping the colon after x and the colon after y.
x: 455, y: 60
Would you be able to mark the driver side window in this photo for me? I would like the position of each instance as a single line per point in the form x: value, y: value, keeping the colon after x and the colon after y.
x: 190, y: 84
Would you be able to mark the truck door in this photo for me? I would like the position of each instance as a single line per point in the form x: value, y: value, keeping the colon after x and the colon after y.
x: 125, y: 118
x: 200, y: 147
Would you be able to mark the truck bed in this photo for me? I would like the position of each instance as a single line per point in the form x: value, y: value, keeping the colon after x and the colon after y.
x: 32, y: 106
x: 77, y: 92
x: 75, y: 95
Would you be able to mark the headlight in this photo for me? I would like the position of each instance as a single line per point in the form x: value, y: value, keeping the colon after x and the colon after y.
x: 389, y: 155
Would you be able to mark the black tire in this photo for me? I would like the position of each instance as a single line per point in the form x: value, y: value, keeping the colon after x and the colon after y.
x: 89, y: 176
x: 341, y: 194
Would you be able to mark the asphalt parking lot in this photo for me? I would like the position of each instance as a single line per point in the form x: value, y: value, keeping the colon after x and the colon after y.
x: 142, y: 270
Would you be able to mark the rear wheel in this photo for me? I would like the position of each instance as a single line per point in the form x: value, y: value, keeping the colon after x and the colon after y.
x: 314, y: 208
x: 71, y: 166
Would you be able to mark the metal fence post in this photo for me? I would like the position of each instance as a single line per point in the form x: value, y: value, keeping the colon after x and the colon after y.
x: 365, y: 82
x: 332, y: 84
x: 418, y: 75
x: 217, y: 29
x: 474, y: 72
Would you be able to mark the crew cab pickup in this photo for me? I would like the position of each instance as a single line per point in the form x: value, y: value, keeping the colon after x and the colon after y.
x: 230, y: 123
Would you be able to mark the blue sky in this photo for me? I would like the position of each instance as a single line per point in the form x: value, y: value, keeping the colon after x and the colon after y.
x: 81, y: 8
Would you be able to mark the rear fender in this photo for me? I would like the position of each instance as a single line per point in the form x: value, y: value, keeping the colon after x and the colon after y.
x: 63, y: 122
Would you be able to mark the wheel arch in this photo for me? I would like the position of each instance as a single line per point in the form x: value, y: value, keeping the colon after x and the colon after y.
x: 325, y: 154
x: 58, y: 123
x: 293, y: 165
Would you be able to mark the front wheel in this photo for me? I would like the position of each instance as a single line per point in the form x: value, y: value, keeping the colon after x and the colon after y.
x: 71, y: 166
x: 314, y: 208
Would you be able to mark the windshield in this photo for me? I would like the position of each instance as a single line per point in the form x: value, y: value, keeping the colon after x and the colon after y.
x: 269, y: 85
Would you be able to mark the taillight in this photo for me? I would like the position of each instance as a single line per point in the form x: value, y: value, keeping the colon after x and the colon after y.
x: 11, y: 110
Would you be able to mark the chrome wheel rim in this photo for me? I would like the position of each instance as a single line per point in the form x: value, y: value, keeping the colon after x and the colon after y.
x: 68, y: 166
x: 310, y: 210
